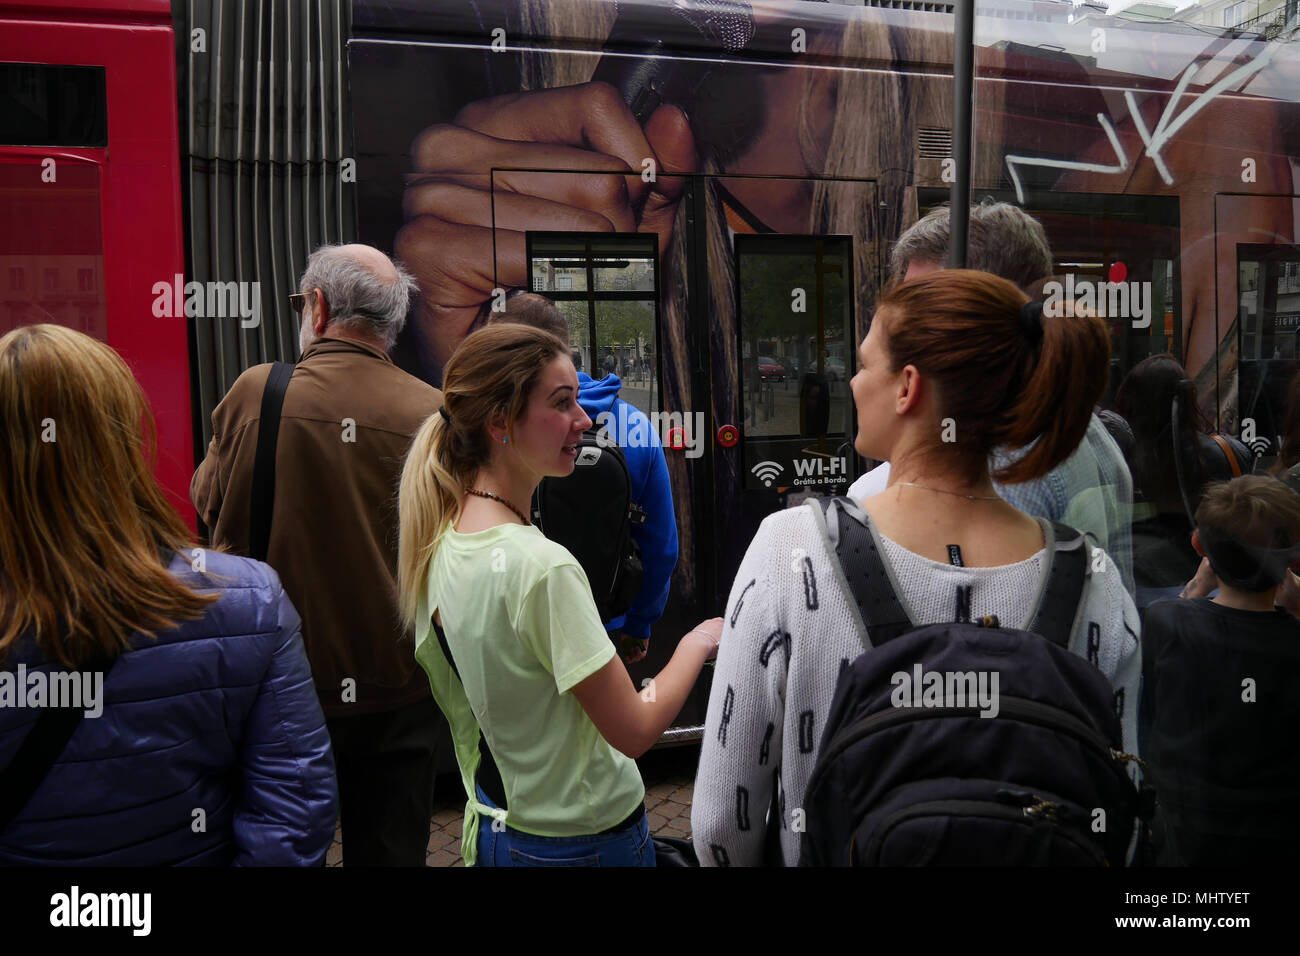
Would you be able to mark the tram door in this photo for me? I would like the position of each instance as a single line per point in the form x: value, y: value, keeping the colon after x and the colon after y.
x: 795, y: 351
x: 738, y: 345
x: 782, y: 351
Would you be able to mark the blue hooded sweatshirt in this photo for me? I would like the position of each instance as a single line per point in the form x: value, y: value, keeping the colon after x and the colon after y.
x: 648, y: 473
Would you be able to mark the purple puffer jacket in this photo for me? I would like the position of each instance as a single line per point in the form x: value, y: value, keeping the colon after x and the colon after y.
x: 211, y: 748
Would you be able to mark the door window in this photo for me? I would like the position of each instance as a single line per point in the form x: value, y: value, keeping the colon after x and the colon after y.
x: 797, y: 355
x: 607, y: 288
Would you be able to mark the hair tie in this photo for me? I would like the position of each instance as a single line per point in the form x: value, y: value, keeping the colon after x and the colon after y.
x: 446, y: 417
x: 1031, y: 320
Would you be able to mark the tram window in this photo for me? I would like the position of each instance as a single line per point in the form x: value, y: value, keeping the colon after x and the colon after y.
x: 1100, y: 239
x: 796, y: 354
x: 54, y: 265
x: 44, y: 105
x: 1268, y: 312
x: 607, y: 288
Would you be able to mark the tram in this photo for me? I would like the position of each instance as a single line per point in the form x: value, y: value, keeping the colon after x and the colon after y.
x: 708, y: 191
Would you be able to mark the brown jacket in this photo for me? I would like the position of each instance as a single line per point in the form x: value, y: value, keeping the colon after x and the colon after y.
x: 349, y: 416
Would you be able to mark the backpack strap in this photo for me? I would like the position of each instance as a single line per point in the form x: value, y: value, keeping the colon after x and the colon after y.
x: 262, y: 503
x: 848, y: 530
x: 40, y: 749
x: 489, y: 777
x: 1065, y: 577
x: 1233, y: 464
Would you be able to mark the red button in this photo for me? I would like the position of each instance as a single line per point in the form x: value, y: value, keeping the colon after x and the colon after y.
x: 676, y: 438
x: 728, y: 435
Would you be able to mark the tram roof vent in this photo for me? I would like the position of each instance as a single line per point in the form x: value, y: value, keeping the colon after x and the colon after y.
x: 925, y: 6
x: 932, y: 143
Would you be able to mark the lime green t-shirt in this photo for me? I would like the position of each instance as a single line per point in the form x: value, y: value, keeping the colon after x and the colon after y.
x: 523, y: 628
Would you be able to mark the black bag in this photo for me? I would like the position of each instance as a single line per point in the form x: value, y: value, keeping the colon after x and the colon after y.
x: 906, y: 779
x: 591, y: 513
x: 41, y: 748
x: 674, y: 852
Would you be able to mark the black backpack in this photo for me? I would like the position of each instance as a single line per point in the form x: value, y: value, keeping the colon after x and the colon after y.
x: 909, y: 778
x: 591, y: 513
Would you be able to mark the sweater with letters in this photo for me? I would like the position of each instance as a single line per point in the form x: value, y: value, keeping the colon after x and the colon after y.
x: 791, y: 624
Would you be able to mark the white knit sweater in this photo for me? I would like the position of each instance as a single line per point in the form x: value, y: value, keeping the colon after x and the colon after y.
x: 772, y: 693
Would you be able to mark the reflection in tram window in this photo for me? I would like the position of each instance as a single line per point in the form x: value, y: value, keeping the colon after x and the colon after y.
x: 1100, y: 242
x: 52, y: 269
x: 1268, y: 324
x: 1175, y: 454
x: 606, y: 287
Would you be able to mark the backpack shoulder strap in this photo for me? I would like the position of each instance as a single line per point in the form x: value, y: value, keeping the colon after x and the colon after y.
x: 1233, y: 464
x: 1064, y: 590
x: 847, y: 527
x: 40, y: 750
x: 268, y: 435
x: 489, y: 776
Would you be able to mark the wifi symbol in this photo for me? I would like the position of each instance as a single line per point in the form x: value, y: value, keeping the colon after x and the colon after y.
x: 765, y: 471
x: 1258, y: 443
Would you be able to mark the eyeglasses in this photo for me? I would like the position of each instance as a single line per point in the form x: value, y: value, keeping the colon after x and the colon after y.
x: 298, y: 302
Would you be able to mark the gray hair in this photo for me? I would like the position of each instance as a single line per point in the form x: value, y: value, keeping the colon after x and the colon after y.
x: 1004, y: 240
x: 359, y: 300
x: 529, y: 308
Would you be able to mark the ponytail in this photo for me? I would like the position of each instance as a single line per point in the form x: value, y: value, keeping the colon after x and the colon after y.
x: 1053, y: 404
x: 429, y: 499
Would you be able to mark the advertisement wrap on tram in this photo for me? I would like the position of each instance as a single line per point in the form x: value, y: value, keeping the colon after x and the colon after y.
x: 709, y: 193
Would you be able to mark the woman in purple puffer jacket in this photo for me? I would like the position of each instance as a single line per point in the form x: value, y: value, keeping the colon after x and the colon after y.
x: 203, y: 742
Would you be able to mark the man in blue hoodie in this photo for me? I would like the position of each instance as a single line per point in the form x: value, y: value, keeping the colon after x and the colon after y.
x: 647, y: 474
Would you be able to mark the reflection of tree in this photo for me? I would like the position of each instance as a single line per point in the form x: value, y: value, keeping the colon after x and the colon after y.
x: 767, y: 297
x: 623, y: 321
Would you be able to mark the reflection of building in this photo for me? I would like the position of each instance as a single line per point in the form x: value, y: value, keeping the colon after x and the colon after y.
x: 64, y: 289
x: 1144, y: 9
x: 612, y: 275
x: 1263, y: 17
x: 1270, y: 309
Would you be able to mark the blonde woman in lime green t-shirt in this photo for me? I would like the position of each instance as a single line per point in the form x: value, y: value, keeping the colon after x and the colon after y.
x: 506, y: 626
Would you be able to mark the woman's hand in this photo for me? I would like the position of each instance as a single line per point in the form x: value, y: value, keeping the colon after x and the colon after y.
x: 631, y: 720
x: 710, y: 633
x: 474, y: 192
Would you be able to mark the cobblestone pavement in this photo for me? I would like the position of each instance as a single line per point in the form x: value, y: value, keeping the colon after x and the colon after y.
x: 669, y: 776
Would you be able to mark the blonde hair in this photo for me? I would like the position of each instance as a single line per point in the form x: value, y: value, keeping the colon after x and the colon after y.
x: 492, y: 372
x: 83, y: 523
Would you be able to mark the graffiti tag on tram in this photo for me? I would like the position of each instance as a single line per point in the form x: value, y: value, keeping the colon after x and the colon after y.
x: 1154, y: 140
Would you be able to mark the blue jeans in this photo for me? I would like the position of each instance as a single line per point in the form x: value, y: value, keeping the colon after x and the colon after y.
x: 511, y: 847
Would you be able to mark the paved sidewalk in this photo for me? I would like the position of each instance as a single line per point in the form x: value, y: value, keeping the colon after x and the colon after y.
x: 669, y: 776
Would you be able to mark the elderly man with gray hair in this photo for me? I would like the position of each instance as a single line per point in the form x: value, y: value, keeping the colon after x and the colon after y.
x: 347, y: 418
x: 1092, y: 490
